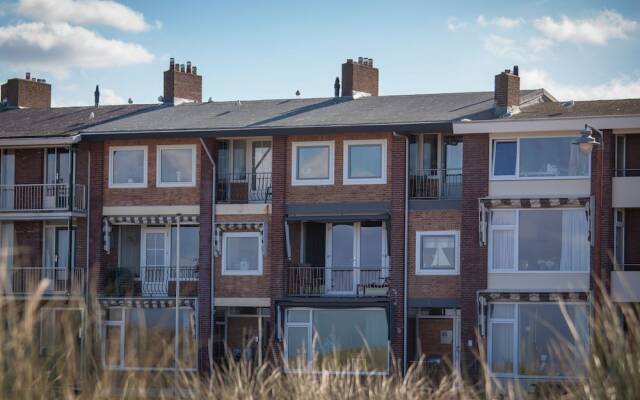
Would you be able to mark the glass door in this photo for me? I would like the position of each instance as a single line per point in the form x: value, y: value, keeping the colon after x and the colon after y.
x: 155, y: 258
x: 56, y: 266
x: 7, y: 179
x: 56, y: 178
x: 260, y: 170
x: 341, y: 259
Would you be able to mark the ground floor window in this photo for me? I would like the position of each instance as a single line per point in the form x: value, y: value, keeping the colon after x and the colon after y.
x: 337, y: 340
x: 535, y: 339
x: 145, y: 338
x: 241, y: 333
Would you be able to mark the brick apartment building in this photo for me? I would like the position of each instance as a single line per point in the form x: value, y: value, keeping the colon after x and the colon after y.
x: 288, y: 229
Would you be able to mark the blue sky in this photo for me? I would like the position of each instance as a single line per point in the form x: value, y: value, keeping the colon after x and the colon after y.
x: 270, y: 49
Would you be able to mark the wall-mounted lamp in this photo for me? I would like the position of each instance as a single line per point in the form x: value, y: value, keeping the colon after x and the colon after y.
x: 586, y: 140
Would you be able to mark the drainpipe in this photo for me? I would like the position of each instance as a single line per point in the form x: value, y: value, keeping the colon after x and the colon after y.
x: 213, y: 250
x: 406, y: 241
x: 70, y: 244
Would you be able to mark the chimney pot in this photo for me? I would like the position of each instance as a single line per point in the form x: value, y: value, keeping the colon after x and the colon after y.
x: 349, y: 60
x: 360, y: 59
x: 182, y: 68
x: 28, y: 76
x: 195, y: 70
x: 172, y: 62
x: 188, y: 67
x: 516, y: 70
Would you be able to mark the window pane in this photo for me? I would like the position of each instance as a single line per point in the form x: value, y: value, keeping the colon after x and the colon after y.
x: 239, y: 159
x: 350, y: 339
x: 130, y: 248
x: 128, y: 166
x: 546, y: 346
x: 149, y: 337
x: 365, y: 161
x: 223, y: 158
x: 313, y: 162
x: 189, y: 245
x: 242, y: 253
x: 438, y: 252
x: 430, y: 152
x: 371, y: 245
x: 503, y: 218
x: 187, y: 345
x: 502, y: 248
x: 503, y: 311
x: 342, y: 236
x: 297, y: 347
x: 552, y: 157
x: 453, y: 155
x: 298, y: 316
x: 112, y: 346
x: 502, y: 347
x: 504, y: 154
x: 175, y: 165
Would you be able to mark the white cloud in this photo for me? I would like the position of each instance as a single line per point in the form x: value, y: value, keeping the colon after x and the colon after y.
x: 453, y: 24
x: 108, y: 97
x: 505, y: 47
x: 500, y: 22
x: 538, y: 44
x: 619, y: 88
x: 84, y: 12
x: 55, y: 47
x: 598, y: 30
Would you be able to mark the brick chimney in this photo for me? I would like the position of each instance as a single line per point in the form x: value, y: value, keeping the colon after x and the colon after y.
x: 359, y: 78
x: 507, y: 90
x: 26, y: 93
x: 182, y: 84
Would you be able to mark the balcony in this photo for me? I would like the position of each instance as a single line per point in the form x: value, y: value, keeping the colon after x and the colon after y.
x: 41, y: 198
x: 24, y: 281
x: 625, y: 284
x: 150, y: 281
x: 436, y: 184
x: 626, y: 188
x: 308, y: 281
x: 243, y: 188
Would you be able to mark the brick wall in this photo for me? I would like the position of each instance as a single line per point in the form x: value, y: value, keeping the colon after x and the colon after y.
x: 29, y: 167
x: 182, y: 85
x: 359, y: 77
x: 431, y: 286
x: 507, y: 90
x: 337, y: 192
x: 26, y: 93
x: 28, y: 244
x: 151, y: 195
x: 97, y: 272
x: 473, y: 267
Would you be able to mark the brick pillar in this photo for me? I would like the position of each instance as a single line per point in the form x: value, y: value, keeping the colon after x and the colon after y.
x: 396, y: 264
x: 601, y: 189
x: 204, y: 263
x: 473, y: 267
x: 276, y: 230
x: 95, y: 192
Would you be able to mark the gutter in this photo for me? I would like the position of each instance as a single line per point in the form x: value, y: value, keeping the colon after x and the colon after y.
x: 213, y: 232
x: 40, y: 141
x: 509, y: 125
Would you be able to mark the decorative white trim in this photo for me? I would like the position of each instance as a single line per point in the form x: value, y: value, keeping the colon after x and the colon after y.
x: 159, y: 150
x: 382, y: 180
x: 143, y: 184
x: 456, y: 240
x: 573, y: 124
x: 225, y: 236
x: 294, y: 164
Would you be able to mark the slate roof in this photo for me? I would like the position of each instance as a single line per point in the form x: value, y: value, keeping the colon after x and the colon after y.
x: 592, y: 108
x: 62, y: 121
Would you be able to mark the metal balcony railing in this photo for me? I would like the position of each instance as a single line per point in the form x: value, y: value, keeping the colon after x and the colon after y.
x: 324, y: 281
x: 41, y: 198
x: 628, y: 267
x: 244, y: 187
x: 25, y: 280
x: 627, y: 172
x: 436, y: 184
x: 147, y: 281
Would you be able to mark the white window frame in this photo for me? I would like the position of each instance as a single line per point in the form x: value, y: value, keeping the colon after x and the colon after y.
x: 517, y: 170
x: 145, y: 179
x: 225, y: 271
x: 516, y: 228
x: 159, y: 150
x: 456, y: 239
x: 294, y: 164
x: 382, y: 180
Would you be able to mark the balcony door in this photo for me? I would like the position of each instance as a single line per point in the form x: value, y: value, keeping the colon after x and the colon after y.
x: 260, y: 170
x: 154, y: 273
x: 7, y: 179
x: 356, y: 256
x: 57, y: 167
x: 56, y: 266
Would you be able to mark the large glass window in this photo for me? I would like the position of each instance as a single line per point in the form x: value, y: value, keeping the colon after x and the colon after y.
x: 504, y: 158
x: 242, y: 253
x: 342, y: 339
x: 177, y: 166
x: 128, y: 167
x: 365, y: 161
x: 437, y: 252
x: 312, y: 163
x: 539, y: 240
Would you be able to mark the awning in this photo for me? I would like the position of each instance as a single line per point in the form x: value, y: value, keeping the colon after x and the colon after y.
x: 147, y: 303
x: 536, y: 202
x: 221, y: 227
x: 337, y: 217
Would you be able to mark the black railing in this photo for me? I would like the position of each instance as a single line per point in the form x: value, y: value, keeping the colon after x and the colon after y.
x: 324, y: 281
x: 628, y: 267
x: 150, y: 281
x: 436, y: 184
x: 244, y: 187
x: 627, y: 172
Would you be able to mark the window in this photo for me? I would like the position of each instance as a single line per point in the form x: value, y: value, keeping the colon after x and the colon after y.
x: 344, y: 339
x: 176, y: 166
x: 542, y: 157
x: 312, y: 163
x: 534, y: 339
x: 539, y: 240
x: 437, y: 253
x: 242, y: 253
x: 365, y: 162
x: 128, y: 167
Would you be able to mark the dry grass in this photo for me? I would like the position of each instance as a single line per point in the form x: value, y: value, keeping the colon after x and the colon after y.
x: 25, y: 373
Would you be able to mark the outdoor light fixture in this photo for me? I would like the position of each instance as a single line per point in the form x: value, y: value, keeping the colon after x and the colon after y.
x: 586, y: 140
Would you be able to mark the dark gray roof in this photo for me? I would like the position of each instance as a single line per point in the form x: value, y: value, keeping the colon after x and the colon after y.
x: 592, y: 108
x: 292, y: 114
x: 62, y: 121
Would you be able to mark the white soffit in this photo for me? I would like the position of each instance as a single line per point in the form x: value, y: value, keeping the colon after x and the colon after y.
x: 546, y: 124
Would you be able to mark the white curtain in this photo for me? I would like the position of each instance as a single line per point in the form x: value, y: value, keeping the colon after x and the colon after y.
x: 502, y: 347
x: 578, y: 161
x: 6, y: 255
x: 575, y: 245
x: 502, y: 249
